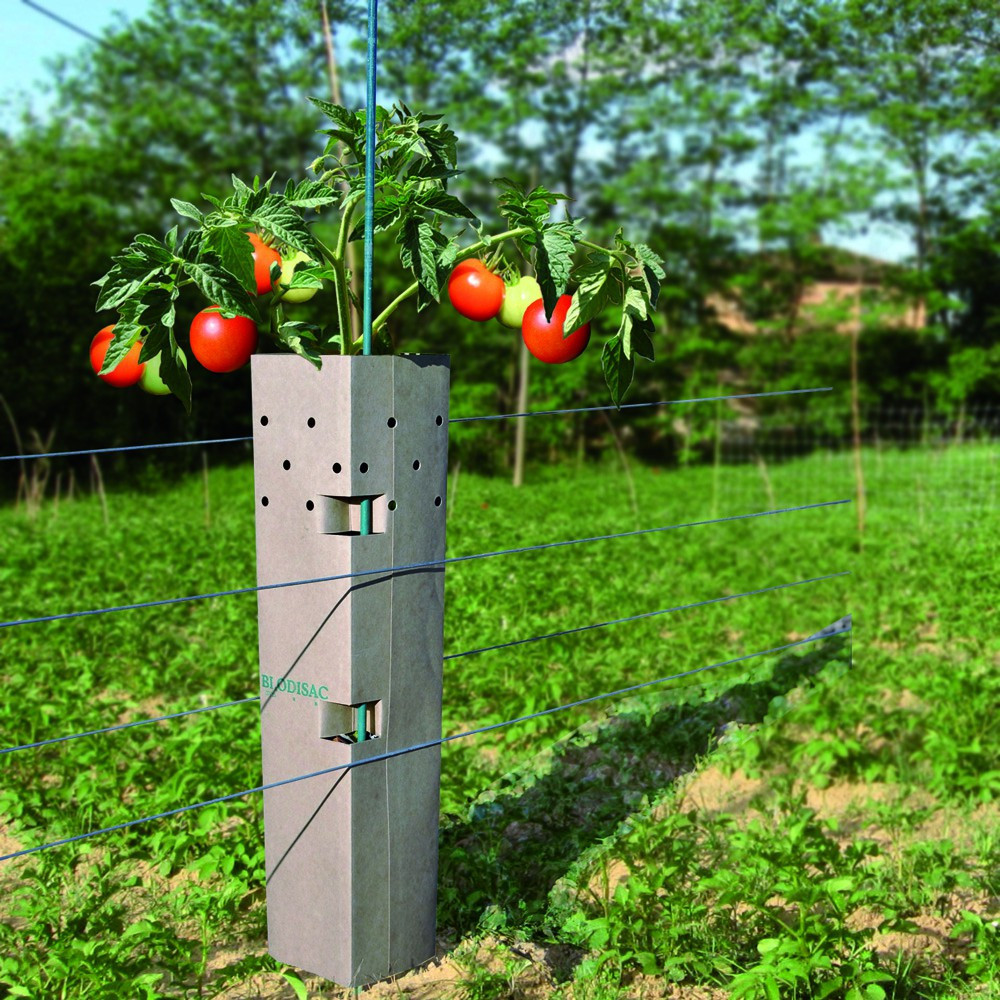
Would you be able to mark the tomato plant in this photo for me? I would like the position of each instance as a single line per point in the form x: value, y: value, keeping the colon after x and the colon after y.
x: 231, y: 247
x: 221, y: 344
x: 121, y: 374
x: 475, y: 291
x: 545, y: 336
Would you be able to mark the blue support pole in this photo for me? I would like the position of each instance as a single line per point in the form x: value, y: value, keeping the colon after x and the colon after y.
x: 366, y: 505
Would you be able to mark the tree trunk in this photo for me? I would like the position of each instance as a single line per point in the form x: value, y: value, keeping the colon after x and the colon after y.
x: 859, y: 475
x: 521, y: 423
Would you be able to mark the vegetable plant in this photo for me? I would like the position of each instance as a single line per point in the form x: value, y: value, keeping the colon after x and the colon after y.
x: 234, y: 253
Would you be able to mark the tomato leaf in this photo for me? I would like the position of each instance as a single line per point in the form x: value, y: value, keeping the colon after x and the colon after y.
x: 241, y: 191
x: 590, y: 297
x: 128, y: 328
x: 174, y: 372
x: 302, y: 338
x: 125, y: 280
x: 636, y: 326
x: 650, y: 259
x: 618, y: 369
x: 418, y: 252
x: 221, y: 288
x: 277, y: 217
x: 309, y: 194
x: 442, y: 203
x: 387, y: 212
x: 235, y: 252
x: 554, y: 261
x: 188, y: 210
x: 152, y: 249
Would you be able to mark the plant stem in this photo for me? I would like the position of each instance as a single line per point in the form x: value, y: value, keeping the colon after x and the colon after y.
x: 620, y: 255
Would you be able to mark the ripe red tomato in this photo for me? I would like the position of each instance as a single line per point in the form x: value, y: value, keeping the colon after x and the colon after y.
x: 475, y: 292
x: 263, y: 257
x: 544, y: 337
x: 127, y: 372
x: 470, y: 263
x: 222, y: 345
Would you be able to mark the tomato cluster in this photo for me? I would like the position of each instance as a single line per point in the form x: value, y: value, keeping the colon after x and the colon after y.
x: 220, y: 344
x: 479, y: 294
x: 263, y: 257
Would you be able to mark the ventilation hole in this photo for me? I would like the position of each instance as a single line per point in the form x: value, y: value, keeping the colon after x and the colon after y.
x: 391, y: 422
x: 264, y: 501
x: 416, y: 464
x: 437, y: 501
x: 263, y: 421
x: 336, y: 467
x: 286, y: 464
x: 392, y: 505
x: 309, y: 505
x: 311, y: 422
x: 363, y: 467
x: 439, y: 420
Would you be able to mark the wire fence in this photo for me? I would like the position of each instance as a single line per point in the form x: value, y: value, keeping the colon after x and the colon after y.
x: 827, y: 495
x: 909, y: 457
x: 621, y: 692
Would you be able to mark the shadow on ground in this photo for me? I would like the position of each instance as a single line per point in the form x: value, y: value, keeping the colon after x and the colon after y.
x: 499, y: 864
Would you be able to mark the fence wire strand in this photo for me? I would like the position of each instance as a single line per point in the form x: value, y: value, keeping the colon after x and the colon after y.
x: 429, y: 744
x: 446, y: 561
x: 452, y: 420
x: 125, y: 725
x: 450, y: 656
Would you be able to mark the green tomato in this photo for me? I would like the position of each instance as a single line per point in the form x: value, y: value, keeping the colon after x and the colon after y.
x: 150, y: 379
x: 516, y: 299
x: 285, y: 279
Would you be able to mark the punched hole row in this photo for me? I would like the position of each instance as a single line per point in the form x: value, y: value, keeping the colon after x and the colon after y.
x: 338, y: 468
x: 310, y: 505
x: 391, y: 422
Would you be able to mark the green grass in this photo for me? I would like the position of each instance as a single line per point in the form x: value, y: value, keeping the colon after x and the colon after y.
x: 767, y: 901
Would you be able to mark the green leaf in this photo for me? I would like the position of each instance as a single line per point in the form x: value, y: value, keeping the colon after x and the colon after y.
x: 618, y: 369
x: 277, y: 217
x: 188, y: 210
x: 221, y: 288
x: 190, y: 246
x: 127, y: 331
x: 124, y: 281
x: 442, y: 203
x: 649, y: 259
x: 152, y: 249
x: 418, y: 252
x: 554, y: 261
x: 766, y: 945
x: 310, y: 194
x: 302, y: 338
x: 296, y: 984
x: 590, y: 297
x: 174, y: 371
x: 386, y: 213
x: 235, y: 252
x: 347, y: 120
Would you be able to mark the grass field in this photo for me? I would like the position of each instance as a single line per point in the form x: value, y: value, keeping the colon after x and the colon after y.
x: 795, y: 825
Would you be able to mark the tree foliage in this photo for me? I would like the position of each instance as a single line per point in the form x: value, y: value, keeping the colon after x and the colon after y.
x: 735, y: 136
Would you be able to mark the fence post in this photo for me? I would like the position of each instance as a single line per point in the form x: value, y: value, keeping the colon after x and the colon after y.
x: 351, y: 856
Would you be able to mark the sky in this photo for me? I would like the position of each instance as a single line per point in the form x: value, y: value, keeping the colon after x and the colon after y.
x: 29, y: 38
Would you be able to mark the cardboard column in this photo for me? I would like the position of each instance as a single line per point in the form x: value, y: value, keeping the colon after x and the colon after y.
x: 351, y: 857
